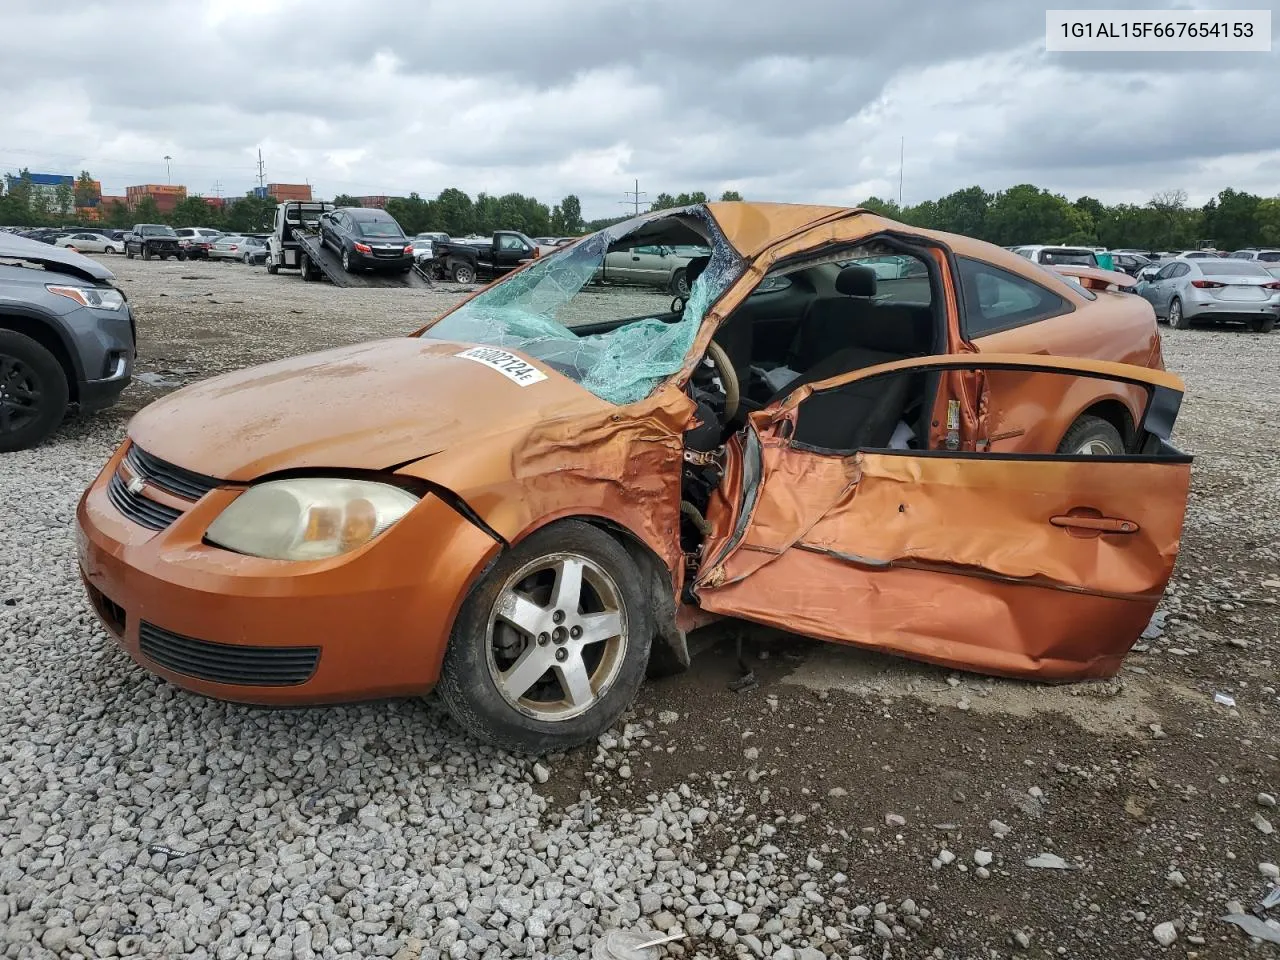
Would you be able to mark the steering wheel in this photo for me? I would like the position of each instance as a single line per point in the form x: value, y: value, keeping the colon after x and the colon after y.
x: 728, y: 378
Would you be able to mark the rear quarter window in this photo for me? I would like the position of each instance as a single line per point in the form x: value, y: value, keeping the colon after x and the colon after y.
x: 996, y: 299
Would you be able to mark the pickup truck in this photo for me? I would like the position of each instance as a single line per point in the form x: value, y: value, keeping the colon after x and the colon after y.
x: 149, y: 240
x: 653, y: 265
x: 463, y: 261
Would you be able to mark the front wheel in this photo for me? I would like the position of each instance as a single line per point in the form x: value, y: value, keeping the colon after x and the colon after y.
x: 128, y: 253
x: 680, y: 284
x: 33, y: 392
x: 1092, y: 436
x: 463, y: 273
x: 146, y: 253
x: 1177, y: 319
x: 272, y: 268
x: 550, y: 647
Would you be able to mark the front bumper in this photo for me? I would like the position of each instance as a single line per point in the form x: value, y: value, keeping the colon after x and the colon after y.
x: 97, y: 394
x: 372, y: 623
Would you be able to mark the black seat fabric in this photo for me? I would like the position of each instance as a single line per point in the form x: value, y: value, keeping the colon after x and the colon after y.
x: 859, y: 414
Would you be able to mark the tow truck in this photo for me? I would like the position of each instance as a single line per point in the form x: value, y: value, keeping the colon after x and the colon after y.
x: 295, y: 245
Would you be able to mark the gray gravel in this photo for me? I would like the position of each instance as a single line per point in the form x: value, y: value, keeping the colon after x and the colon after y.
x: 136, y: 819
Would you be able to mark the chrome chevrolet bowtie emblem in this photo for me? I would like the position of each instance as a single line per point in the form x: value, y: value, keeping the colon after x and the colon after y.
x: 135, y: 485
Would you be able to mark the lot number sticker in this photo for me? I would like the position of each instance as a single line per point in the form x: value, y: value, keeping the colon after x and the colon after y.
x: 508, y: 364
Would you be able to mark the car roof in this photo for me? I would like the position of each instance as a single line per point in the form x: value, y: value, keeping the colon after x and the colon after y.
x: 367, y: 213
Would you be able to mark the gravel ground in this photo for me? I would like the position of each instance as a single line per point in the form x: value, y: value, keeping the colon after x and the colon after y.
x: 846, y: 805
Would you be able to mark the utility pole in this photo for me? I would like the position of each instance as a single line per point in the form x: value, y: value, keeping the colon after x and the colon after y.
x: 262, y: 179
x: 168, y: 176
x: 902, y: 152
x: 217, y: 189
x: 634, y: 196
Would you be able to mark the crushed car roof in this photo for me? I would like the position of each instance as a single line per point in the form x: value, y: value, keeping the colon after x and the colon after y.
x: 13, y: 247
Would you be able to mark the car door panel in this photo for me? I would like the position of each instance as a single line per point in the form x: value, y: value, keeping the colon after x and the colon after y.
x: 1023, y: 564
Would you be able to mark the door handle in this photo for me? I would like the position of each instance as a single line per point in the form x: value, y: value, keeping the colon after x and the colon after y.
x: 1086, y: 522
x: 635, y: 258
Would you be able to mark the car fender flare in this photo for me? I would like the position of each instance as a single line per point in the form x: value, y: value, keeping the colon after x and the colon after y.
x: 32, y: 319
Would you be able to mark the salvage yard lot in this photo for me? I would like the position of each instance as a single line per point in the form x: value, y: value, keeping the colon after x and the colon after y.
x: 847, y: 804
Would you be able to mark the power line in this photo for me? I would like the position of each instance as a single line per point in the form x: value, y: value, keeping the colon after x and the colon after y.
x: 635, y: 196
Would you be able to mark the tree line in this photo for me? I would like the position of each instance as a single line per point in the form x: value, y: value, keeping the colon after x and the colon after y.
x: 1028, y: 214
x: 1020, y: 214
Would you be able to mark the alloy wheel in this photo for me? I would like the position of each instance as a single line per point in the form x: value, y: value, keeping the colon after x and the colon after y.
x: 556, y: 637
x: 20, y: 394
x: 1095, y: 447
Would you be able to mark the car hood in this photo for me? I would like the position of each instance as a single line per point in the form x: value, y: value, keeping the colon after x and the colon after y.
x: 59, y: 258
x: 368, y: 407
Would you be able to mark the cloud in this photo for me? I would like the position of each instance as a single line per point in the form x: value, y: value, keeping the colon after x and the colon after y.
x: 808, y: 100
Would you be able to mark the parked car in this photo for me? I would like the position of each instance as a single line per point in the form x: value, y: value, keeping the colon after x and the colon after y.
x: 255, y: 250
x: 1201, y: 290
x: 1129, y: 263
x: 1203, y: 254
x: 527, y: 517
x: 464, y: 260
x: 423, y: 245
x: 658, y: 265
x: 89, y: 243
x: 1050, y: 256
x: 366, y: 239
x: 195, y: 241
x: 67, y: 338
x: 149, y: 240
x: 1261, y: 256
x: 230, y: 246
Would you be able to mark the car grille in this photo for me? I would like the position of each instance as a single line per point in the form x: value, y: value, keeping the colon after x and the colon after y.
x: 167, y: 477
x: 141, y: 510
x: 224, y: 663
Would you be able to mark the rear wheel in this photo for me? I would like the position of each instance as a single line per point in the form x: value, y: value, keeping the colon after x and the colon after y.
x: 128, y: 253
x: 1177, y: 319
x: 33, y: 392
x: 463, y: 272
x: 346, y: 260
x: 1092, y: 436
x: 1263, y: 325
x: 304, y: 266
x: 549, y: 649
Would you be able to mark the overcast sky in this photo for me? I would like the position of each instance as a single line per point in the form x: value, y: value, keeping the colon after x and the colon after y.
x: 794, y: 100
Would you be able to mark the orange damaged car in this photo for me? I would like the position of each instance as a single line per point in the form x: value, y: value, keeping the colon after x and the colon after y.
x: 851, y: 429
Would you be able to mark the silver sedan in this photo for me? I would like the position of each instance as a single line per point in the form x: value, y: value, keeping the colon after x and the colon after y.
x: 1213, y: 291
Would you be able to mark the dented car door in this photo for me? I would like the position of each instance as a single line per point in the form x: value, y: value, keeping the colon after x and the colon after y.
x: 1023, y: 562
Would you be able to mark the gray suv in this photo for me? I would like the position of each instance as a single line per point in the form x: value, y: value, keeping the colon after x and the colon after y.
x: 66, y: 337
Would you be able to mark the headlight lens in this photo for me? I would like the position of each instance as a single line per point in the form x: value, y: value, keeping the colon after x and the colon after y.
x: 101, y: 298
x: 309, y: 518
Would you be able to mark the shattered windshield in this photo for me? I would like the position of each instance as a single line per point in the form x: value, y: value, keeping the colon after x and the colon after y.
x: 618, y: 339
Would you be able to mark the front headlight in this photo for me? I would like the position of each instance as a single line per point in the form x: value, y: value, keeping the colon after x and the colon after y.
x: 309, y: 518
x: 101, y: 298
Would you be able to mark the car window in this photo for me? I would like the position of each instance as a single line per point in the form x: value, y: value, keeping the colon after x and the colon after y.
x: 1233, y: 268
x: 508, y: 242
x: 996, y: 299
x: 1269, y: 256
x: 1166, y: 271
x: 380, y: 228
x: 1181, y: 269
x: 650, y: 250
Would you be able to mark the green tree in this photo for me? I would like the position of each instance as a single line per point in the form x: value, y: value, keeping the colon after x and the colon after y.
x: 346, y: 200
x: 1231, y: 219
x: 86, y: 191
x: 1027, y: 214
x: 1171, y: 213
x: 195, y: 211
x: 249, y: 214
x: 688, y: 199
x: 730, y: 196
x: 1269, y: 222
x: 146, y: 211
x: 963, y: 211
x: 64, y: 198
x: 570, y: 217
x: 413, y: 213
x: 885, y: 208
x: 454, y: 212
x: 663, y: 201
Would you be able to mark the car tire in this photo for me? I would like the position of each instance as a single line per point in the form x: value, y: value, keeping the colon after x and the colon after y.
x: 128, y: 253
x: 26, y: 367
x: 304, y: 265
x: 1265, y: 325
x: 246, y: 260
x: 146, y: 252
x: 484, y: 647
x: 272, y: 268
x: 181, y: 256
x: 1092, y: 436
x: 462, y: 272
x: 1177, y: 319
x: 346, y: 260
x: 679, y: 286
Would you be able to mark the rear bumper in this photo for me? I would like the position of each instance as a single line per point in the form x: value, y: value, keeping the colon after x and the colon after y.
x: 366, y: 262
x: 1230, y: 310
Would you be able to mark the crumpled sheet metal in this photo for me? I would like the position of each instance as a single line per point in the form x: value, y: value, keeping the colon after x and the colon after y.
x: 621, y: 468
x: 977, y: 577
